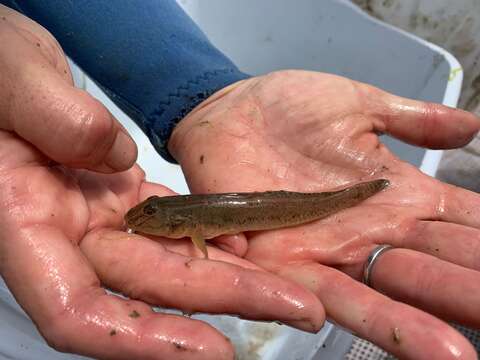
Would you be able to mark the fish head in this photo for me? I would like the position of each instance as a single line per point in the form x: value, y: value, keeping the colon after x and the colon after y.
x: 156, y: 216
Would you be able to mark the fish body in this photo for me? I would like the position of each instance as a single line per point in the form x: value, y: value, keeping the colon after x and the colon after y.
x: 206, y: 216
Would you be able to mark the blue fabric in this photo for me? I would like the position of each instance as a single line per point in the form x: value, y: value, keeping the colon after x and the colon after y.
x: 148, y: 56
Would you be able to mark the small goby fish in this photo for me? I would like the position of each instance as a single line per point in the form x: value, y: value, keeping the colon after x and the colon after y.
x: 203, y: 217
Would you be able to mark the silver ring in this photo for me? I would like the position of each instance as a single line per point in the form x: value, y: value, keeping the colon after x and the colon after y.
x: 372, y: 258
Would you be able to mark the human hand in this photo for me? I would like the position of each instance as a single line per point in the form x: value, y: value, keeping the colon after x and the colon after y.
x: 305, y: 131
x: 60, y: 235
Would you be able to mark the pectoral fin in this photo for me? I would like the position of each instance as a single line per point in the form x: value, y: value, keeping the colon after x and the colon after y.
x: 199, y: 242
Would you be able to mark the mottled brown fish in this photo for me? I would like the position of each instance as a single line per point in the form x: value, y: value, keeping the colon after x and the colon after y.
x: 206, y: 216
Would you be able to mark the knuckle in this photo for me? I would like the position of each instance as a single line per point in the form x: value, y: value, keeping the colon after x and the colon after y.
x: 427, y: 281
x: 411, y: 231
x: 429, y: 124
x: 138, y: 173
x: 93, y: 130
x: 476, y: 254
x: 56, y: 334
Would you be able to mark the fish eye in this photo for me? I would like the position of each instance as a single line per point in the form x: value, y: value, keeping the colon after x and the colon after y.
x: 149, y: 209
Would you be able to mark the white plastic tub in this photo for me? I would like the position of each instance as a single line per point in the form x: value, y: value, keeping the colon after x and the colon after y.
x: 261, y: 36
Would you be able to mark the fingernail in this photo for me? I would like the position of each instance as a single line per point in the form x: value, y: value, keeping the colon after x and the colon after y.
x: 304, y: 325
x: 123, y: 153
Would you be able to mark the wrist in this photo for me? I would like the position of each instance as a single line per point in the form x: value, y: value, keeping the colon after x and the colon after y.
x: 199, y: 125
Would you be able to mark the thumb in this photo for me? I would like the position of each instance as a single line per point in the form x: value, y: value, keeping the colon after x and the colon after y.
x: 421, y: 123
x: 39, y: 103
x: 72, y: 128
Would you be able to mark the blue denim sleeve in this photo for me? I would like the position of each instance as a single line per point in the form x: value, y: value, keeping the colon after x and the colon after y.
x: 148, y: 56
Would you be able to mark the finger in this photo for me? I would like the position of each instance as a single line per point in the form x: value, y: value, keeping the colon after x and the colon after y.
x: 68, y: 125
x: 185, y: 247
x: 439, y: 287
x: 236, y: 244
x: 52, y: 281
x: 454, y: 243
x: 352, y: 242
x: 394, y: 326
x: 136, y: 332
x: 142, y: 269
x: 420, y: 123
x: 459, y: 206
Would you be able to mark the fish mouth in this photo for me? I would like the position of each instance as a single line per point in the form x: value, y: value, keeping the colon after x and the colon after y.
x: 383, y: 183
x: 134, y: 218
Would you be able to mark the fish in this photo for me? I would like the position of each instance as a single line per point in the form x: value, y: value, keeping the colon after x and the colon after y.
x: 206, y: 216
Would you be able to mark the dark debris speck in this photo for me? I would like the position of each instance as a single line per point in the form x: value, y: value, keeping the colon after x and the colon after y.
x: 396, y: 335
x: 134, y: 314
